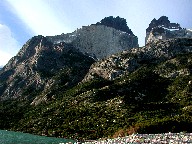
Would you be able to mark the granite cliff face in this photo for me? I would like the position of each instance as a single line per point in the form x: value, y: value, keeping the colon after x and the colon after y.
x: 98, y: 41
x: 102, y: 39
x: 163, y: 29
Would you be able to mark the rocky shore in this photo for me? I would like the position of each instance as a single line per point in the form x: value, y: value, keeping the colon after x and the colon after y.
x: 164, y: 138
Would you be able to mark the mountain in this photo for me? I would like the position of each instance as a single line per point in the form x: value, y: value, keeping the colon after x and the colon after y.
x: 162, y: 29
x: 56, y: 87
x: 40, y: 60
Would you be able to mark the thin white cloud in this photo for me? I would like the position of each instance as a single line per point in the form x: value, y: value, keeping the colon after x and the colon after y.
x: 40, y: 16
x: 8, y: 45
x: 4, y: 58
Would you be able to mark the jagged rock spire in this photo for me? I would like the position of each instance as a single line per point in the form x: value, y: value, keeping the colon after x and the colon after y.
x: 163, y: 21
x: 117, y: 23
x: 163, y: 29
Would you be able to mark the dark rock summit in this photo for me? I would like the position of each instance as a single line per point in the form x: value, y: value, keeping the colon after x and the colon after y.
x: 117, y: 23
x: 163, y: 29
x: 163, y: 21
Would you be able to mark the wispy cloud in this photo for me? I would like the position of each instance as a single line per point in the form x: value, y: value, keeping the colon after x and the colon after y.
x: 5, y: 57
x: 40, y: 17
x: 9, y: 46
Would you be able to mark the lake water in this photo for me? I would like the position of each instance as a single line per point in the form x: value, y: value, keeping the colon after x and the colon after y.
x: 10, y: 137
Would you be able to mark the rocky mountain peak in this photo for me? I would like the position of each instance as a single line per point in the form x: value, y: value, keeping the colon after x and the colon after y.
x: 117, y: 23
x: 163, y: 29
x: 163, y: 21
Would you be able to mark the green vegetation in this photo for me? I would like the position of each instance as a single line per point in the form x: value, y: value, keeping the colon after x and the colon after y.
x: 143, y: 101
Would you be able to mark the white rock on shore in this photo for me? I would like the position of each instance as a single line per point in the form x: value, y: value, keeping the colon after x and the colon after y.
x: 163, y: 138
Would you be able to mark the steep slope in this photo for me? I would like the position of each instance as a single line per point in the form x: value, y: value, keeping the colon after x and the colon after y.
x: 128, y: 61
x: 32, y: 69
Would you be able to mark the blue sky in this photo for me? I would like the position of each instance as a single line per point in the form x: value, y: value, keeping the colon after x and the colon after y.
x: 22, y: 19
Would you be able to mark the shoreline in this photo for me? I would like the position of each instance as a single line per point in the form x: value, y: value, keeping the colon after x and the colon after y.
x: 181, y: 137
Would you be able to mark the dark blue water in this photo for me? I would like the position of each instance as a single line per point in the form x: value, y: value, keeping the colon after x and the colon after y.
x: 10, y: 137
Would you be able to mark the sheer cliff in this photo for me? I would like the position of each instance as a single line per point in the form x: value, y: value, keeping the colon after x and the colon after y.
x: 98, y: 41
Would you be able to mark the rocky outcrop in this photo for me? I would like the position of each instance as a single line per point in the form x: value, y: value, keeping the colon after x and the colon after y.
x: 116, y: 23
x: 162, y: 29
x: 113, y: 67
x: 128, y: 61
x: 163, y: 21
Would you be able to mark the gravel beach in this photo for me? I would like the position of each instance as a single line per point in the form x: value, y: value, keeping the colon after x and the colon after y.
x: 164, y: 138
